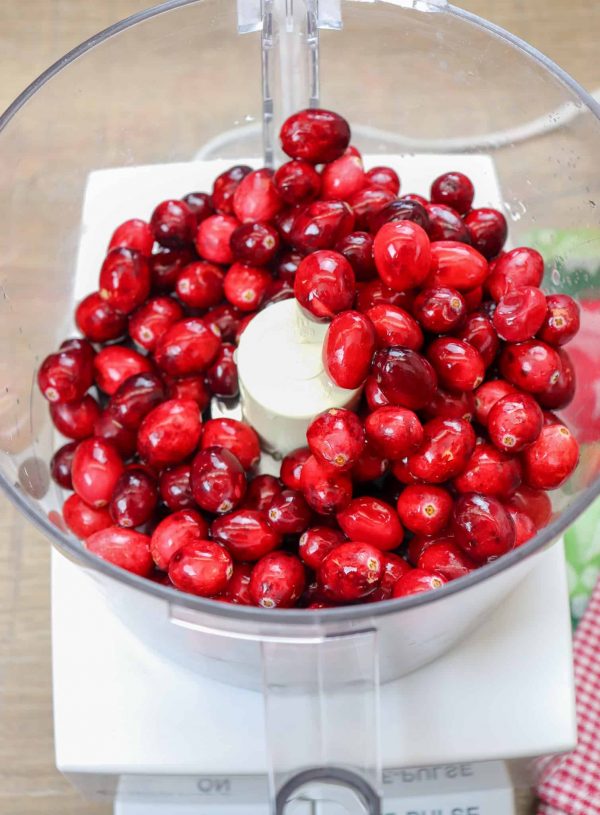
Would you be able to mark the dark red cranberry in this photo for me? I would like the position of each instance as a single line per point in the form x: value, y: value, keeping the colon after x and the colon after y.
x: 277, y: 291
x: 417, y: 581
x: 238, y: 437
x: 561, y: 321
x: 225, y: 186
x: 395, y: 326
x: 525, y: 529
x: 384, y: 177
x: 445, y: 224
x: 374, y: 396
x: 288, y: 513
x: 394, y: 432
x: 82, y: 519
x: 165, y: 265
x: 336, y: 437
x: 60, y: 465
x: 287, y: 266
x: 75, y: 420
x: 532, y: 366
x: 321, y: 225
x: 169, y: 433
x: 246, y: 287
x: 371, y: 521
x: 450, y: 405
x: 237, y: 590
x: 150, y: 321
x: 192, y: 388
x: 402, y: 254
x: 447, y: 560
x: 124, y: 280
x: 473, y: 298
x: 316, y: 543
x: 175, y: 531
x: 454, y: 190
x: 136, y: 397
x: 222, y: 376
x: 116, y: 363
x: 514, y: 422
x: 201, y: 567
x: 401, y: 209
x: 315, y: 135
x: 284, y: 221
x: 479, y: 332
x: 369, y: 201
x: 95, y: 470
x: 224, y: 321
x: 291, y: 467
x: 440, y: 310
x: 262, y: 489
x: 218, y: 480
x: 255, y: 243
x: 420, y: 543
x: 213, y: 238
x: 487, y: 395
x: 519, y: 314
x: 297, y: 182
x: 357, y: 248
x: 246, y: 534
x: 483, y: 528
x: 370, y: 466
x: 490, y: 472
x: 175, y: 488
x: 125, y: 548
x: 457, y: 266
x: 98, y: 321
x: 200, y: 203
x: 256, y: 197
x: 445, y: 452
x: 123, y: 440
x: 487, y: 230
x: 327, y: 491
x: 425, y: 509
x: 348, y: 349
x: 200, y: 285
x: 419, y: 199
x: 405, y: 377
x: 342, y: 178
x: 352, y: 571
x: 134, y: 498
x: 561, y: 393
x: 458, y: 365
x: 187, y: 347
x: 375, y: 292
x: 134, y: 234
x: 66, y: 375
x: 277, y: 580
x: 324, y: 284
x: 551, y: 459
x: 533, y: 502
x: 394, y: 567
x: 173, y: 223
x: 519, y: 267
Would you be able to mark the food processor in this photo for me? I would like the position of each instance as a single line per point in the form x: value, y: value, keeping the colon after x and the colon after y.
x: 168, y: 702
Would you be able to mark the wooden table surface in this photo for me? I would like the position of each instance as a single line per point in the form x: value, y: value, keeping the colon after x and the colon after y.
x: 34, y: 33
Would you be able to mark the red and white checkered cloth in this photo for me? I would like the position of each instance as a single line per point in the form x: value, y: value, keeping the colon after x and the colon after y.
x: 571, y: 783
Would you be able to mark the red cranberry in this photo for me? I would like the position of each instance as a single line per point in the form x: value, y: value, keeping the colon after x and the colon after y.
x: 225, y: 186
x: 200, y: 203
x: 406, y: 378
x: 384, y: 177
x: 277, y: 291
x: 420, y: 543
x: 237, y: 590
x: 246, y: 286
x: 95, y: 470
x: 277, y: 580
x: 369, y: 201
x: 447, y: 405
x: 532, y: 366
x: 291, y: 467
x: 479, y: 332
x: 326, y: 491
x: 394, y: 568
x: 66, y: 375
x: 123, y: 440
x: 375, y: 292
x: 348, y: 349
x: 246, y: 534
x: 124, y: 280
x: 357, y: 248
x: 187, y: 347
x: 256, y: 197
x: 488, y: 230
x: 419, y: 199
x: 192, y: 388
x: 297, y: 182
x: 98, y: 321
x: 551, y: 459
x: 487, y: 395
x: 519, y: 267
x: 489, y: 472
x: 374, y: 395
x: 445, y: 451
x: 370, y: 465
x: 371, y: 521
x: 124, y: 548
x: 401, y: 209
x: 473, y: 298
x: 447, y: 560
x: 287, y: 266
x: 534, y: 503
x: 394, y: 432
x: 514, y: 422
x: 525, y: 528
x: 224, y: 321
x: 336, y: 438
x: 236, y: 436
x: 324, y: 284
x: 457, y: 364
x: 561, y: 320
x: 262, y: 489
x: 285, y: 220
x: 175, y: 487
x: 75, y: 420
x: 200, y: 285
x: 60, y: 465
x: 454, y: 190
x: 213, y: 238
x: 445, y: 224
x: 150, y: 321
x: 201, y: 567
x: 116, y: 363
x: 352, y: 571
x: 222, y: 376
x: 218, y: 480
x: 425, y: 509
x: 169, y: 433
x: 134, y: 234
x: 82, y: 519
x: 483, y: 528
x: 519, y: 314
x: 175, y: 531
x: 134, y: 498
x: 255, y: 243
x: 561, y: 393
x: 288, y: 513
x: 316, y: 543
x: 402, y: 254
x: 136, y: 397
x: 440, y: 310
x: 416, y: 581
x: 395, y: 326
x: 315, y: 135
x: 457, y: 266
x: 321, y: 225
x: 165, y: 265
x: 173, y: 223
x: 243, y: 324
x: 342, y: 178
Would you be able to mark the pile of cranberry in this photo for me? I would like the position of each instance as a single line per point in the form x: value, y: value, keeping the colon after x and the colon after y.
x: 444, y: 467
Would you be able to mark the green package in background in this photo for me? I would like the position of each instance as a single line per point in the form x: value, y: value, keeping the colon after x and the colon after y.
x: 582, y: 548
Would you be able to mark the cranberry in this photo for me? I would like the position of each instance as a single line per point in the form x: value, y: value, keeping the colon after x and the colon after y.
x: 419, y: 199
x: 519, y: 267
x: 66, y: 375
x: 277, y: 580
x: 416, y: 581
x: 165, y: 265
x: 224, y: 321
x: 134, y: 234
x: 533, y: 502
x: 237, y: 590
x: 342, y: 178
x: 525, y: 528
x: 124, y: 548
x: 440, y: 310
x: 457, y: 266
x: 214, y: 236
x: 288, y: 513
x: 394, y: 432
x: 316, y: 543
x: 324, y: 284
x: 420, y: 543
x: 60, y: 465
x: 243, y: 324
x: 394, y: 568
x: 357, y: 248
x: 95, y: 470
x: 473, y: 298
x: 348, y: 349
x: 445, y: 559
x: 561, y: 320
x: 551, y: 459
x: 445, y: 224
x: 374, y: 395
x: 519, y: 314
x: 489, y: 472
x: 246, y: 286
x: 236, y: 436
x: 175, y: 487
x: 200, y: 203
x: 255, y: 243
x: 445, y: 451
x: 222, y: 376
x: 488, y: 230
x: 175, y: 531
x: 256, y: 197
x: 246, y: 534
x: 375, y: 292
x: 384, y: 177
x: 315, y: 135
x: 82, y: 519
x: 262, y: 489
x: 169, y: 433
x: 458, y: 365
x: 277, y: 291
x: 352, y: 571
x: 479, y: 332
x: 514, y: 422
x: 150, y: 321
x: 284, y: 222
x: 454, y: 190
x: 401, y: 209
x: 136, y: 397
x: 336, y: 437
x: 487, y: 395
x: 395, y: 326
x: 218, y: 480
x: 406, y: 378
x: 561, y: 393
x: 187, y: 347
x: 173, y: 223
x: 225, y: 186
x: 369, y: 201
x: 321, y: 225
x: 192, y: 388
x: 297, y: 182
x: 123, y: 440
x: 116, y: 363
x: 134, y: 498
x: 75, y: 420
x: 200, y: 285
x: 201, y: 567
x: 402, y: 473
x: 124, y: 280
x: 326, y: 491
x: 402, y: 254
x: 370, y: 465
x: 532, y: 366
x: 291, y: 467
x: 287, y: 266
x: 371, y: 521
x: 483, y: 528
x: 447, y: 405
x: 98, y: 321
x: 425, y: 509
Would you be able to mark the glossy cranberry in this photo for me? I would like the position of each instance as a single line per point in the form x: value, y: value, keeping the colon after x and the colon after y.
x: 473, y: 298
x: 394, y: 567
x: 488, y: 230
x: 291, y: 467
x: 425, y: 509
x: 357, y: 248
x: 124, y: 280
x: 321, y: 225
x: 406, y: 378
x: 483, y: 528
x: 533, y: 502
x: 445, y: 452
x: 336, y: 437
x: 150, y: 321
x: 519, y: 267
x: 419, y: 199
x: 402, y: 254
x: 561, y: 321
x: 369, y: 201
x: 200, y: 203
x: 287, y: 266
x: 525, y: 528
x: 75, y: 420
x: 182, y: 528
x: 95, y: 470
x: 213, y: 238
x: 384, y: 177
x: 255, y: 243
x: 238, y: 437
x: 457, y: 266
x: 560, y: 393
x: 256, y: 197
x: 342, y: 178
x: 60, y: 465
x: 224, y: 321
x: 490, y: 472
x: 519, y: 314
x: 445, y: 224
x: 395, y: 326
x: 187, y: 347
x: 66, y: 375
x: 133, y: 234
x: 116, y: 363
x: 262, y: 490
x: 454, y: 190
x: 173, y: 223
x: 288, y: 513
x: 324, y: 284
x: 440, y: 310
x: 225, y: 186
x: 514, y: 422
x: 169, y: 433
x: 200, y: 285
x: 487, y: 395
x: 348, y: 349
x: 371, y: 521
x: 175, y: 488
x: 237, y: 590
x: 479, y: 332
x: 82, y: 519
x: 447, y: 560
x: 352, y: 571
x: 315, y: 135
x: 417, y: 581
x: 98, y: 321
x: 246, y: 534
x: 316, y: 543
x: 136, y: 397
x: 134, y: 498
x: 201, y: 567
x: 394, y: 432
x: 551, y: 459
x: 400, y: 209
x: 165, y: 265
x: 326, y: 490
x: 458, y: 365
x: 277, y: 580
x: 532, y: 366
x: 419, y: 543
x: 218, y: 480
x: 192, y: 388
x: 297, y: 182
x: 374, y: 395
x: 123, y: 440
x: 246, y: 286
x: 124, y: 548
x: 284, y: 222
x: 277, y: 291
x: 370, y: 466
x: 450, y: 405
x: 375, y: 292
x: 222, y: 376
